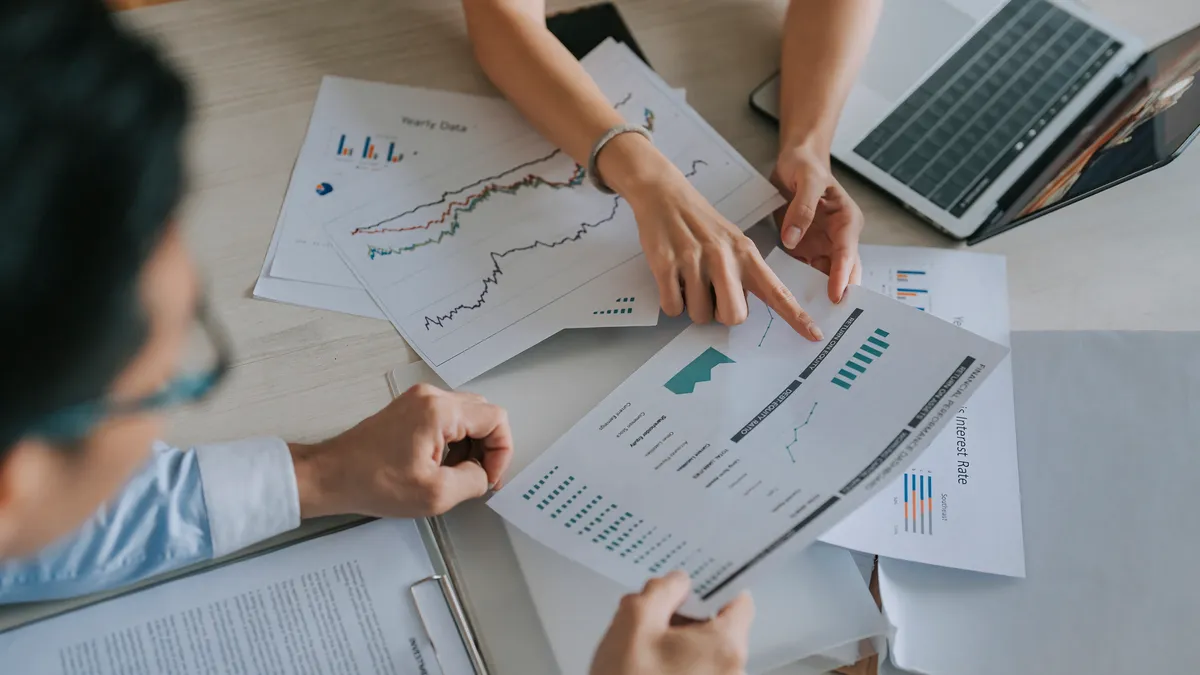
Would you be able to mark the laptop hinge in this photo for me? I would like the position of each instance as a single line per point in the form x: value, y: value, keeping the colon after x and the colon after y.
x: 1068, y: 138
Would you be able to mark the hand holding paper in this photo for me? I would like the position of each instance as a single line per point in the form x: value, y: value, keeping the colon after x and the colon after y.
x: 734, y: 446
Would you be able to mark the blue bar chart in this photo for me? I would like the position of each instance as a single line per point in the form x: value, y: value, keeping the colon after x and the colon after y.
x: 912, y: 289
x: 918, y: 503
x: 371, y: 154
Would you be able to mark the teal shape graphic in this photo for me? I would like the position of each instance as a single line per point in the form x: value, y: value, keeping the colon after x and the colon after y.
x: 699, y: 370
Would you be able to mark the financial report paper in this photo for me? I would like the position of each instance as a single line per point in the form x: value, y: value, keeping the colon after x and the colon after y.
x: 960, y: 504
x: 367, y: 139
x: 459, y: 261
x: 731, y: 448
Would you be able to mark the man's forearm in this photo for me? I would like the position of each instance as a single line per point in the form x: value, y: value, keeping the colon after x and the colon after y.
x: 824, y: 44
x: 185, y: 506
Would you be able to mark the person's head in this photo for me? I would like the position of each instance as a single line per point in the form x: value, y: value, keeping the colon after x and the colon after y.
x: 97, y: 294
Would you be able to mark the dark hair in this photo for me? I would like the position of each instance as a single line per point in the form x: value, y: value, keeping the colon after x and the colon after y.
x: 91, y: 127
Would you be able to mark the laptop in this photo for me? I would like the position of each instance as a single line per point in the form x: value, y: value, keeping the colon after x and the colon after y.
x: 980, y: 115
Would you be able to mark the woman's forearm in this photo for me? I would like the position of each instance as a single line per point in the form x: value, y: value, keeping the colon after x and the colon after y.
x: 824, y: 44
x: 538, y: 75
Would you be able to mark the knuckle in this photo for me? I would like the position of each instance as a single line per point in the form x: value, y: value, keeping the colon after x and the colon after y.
x: 690, y: 257
x: 744, y: 248
x: 437, y: 497
x: 806, y: 212
x: 662, y: 264
x: 422, y: 390
x: 632, y: 605
x: 501, y: 414
x: 781, y: 291
x: 713, y: 250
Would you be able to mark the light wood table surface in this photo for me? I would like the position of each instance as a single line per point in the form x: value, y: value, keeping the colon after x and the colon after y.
x: 1125, y: 259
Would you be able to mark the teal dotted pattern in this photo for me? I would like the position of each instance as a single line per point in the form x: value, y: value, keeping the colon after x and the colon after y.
x: 554, y: 493
x: 570, y: 500
x: 711, y: 580
x: 621, y: 532
x: 529, y: 494
x: 618, y: 310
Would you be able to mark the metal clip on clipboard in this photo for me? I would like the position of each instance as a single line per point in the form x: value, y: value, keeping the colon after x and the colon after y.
x: 438, y: 547
x: 433, y: 534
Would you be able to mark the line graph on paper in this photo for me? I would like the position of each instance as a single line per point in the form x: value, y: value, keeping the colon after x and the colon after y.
x: 473, y: 250
x: 531, y: 175
x: 789, y: 445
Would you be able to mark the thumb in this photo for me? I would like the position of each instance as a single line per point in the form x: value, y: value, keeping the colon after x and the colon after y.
x: 663, y: 596
x: 801, y: 210
x: 737, y: 616
x: 463, y: 481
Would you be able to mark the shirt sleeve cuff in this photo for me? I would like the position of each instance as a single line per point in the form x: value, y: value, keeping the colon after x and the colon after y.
x: 250, y: 492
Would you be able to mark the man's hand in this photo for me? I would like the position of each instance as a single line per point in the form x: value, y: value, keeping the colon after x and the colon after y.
x: 643, y: 641
x: 391, y: 464
x: 821, y: 224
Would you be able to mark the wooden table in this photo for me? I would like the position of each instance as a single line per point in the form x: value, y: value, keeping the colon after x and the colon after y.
x: 1124, y: 259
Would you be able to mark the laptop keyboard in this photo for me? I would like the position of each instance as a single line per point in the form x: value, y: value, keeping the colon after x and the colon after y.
x: 962, y: 127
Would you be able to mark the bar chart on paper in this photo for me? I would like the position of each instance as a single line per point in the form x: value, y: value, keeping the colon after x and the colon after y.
x: 872, y: 348
x: 912, y: 288
x: 718, y: 452
x: 911, y: 284
x: 917, y: 497
x: 368, y: 151
x: 960, y: 505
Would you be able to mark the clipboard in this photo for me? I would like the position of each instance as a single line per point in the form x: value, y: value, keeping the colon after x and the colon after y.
x: 441, y: 613
x: 433, y: 534
x: 448, y: 579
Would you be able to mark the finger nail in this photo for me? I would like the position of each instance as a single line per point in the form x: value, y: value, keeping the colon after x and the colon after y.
x: 815, y: 331
x: 791, y: 236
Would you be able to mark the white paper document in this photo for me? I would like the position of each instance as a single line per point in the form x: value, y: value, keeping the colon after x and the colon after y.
x: 365, y: 136
x: 458, y: 261
x: 341, y: 603
x: 960, y: 504
x: 814, y: 605
x: 732, y: 446
x: 422, y: 128
x: 369, y: 138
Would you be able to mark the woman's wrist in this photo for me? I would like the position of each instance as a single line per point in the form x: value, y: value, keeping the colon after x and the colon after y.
x: 804, y: 149
x: 630, y: 165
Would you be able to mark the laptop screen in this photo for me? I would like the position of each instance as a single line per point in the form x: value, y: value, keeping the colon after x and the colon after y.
x: 1147, y: 124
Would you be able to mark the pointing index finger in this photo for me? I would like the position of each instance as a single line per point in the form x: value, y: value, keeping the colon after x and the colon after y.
x: 772, y: 291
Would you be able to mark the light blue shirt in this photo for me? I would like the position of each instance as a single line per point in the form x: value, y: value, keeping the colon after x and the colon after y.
x: 183, y: 507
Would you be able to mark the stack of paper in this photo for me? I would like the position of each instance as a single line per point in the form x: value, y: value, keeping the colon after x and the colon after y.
x: 732, y: 447
x: 472, y: 235
x: 960, y: 505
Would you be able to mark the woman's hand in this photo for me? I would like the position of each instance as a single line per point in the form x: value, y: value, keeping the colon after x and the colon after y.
x: 702, y: 262
x: 821, y: 224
